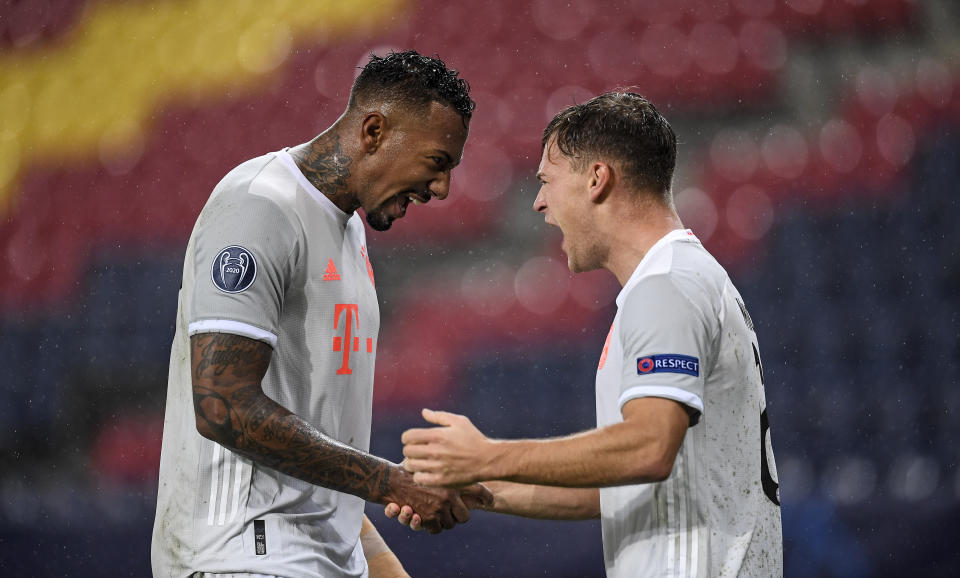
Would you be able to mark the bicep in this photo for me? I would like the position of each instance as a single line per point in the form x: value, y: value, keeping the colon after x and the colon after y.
x: 662, y: 423
x: 226, y: 370
x: 658, y: 414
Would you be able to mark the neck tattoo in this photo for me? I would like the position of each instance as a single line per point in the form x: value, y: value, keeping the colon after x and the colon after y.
x: 325, y: 165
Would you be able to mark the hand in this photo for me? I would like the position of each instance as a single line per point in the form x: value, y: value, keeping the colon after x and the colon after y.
x: 437, y: 509
x: 405, y: 515
x: 477, y: 497
x: 474, y: 497
x: 456, y: 454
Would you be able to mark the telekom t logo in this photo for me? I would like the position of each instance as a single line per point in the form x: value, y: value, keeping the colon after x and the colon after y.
x: 344, y: 344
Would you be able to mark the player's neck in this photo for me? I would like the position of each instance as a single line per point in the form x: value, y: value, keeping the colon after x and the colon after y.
x: 326, y: 165
x: 631, y: 239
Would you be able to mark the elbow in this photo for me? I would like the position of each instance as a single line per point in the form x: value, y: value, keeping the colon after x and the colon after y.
x: 656, y: 468
x: 204, y: 429
x: 217, y: 433
x: 661, y: 470
x: 211, y: 418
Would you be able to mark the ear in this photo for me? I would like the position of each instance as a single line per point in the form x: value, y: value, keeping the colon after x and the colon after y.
x: 372, y: 130
x: 600, y: 182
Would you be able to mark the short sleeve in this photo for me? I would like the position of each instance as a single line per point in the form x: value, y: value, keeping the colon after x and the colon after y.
x: 243, y: 249
x: 665, y: 338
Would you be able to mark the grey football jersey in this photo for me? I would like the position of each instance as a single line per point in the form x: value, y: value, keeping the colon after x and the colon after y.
x: 272, y: 259
x: 682, y: 332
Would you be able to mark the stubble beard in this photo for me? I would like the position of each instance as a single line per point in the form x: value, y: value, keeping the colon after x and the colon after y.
x: 590, y: 259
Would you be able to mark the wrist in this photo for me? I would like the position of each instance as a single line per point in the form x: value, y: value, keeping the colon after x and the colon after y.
x: 398, y: 478
x: 497, y: 491
x: 496, y: 460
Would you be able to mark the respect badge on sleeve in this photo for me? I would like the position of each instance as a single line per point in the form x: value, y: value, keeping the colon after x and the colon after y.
x: 668, y: 363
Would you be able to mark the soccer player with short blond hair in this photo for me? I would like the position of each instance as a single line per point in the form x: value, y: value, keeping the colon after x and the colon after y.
x: 679, y: 469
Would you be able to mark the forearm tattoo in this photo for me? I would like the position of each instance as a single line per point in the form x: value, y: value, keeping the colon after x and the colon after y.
x: 232, y: 410
x: 324, y: 164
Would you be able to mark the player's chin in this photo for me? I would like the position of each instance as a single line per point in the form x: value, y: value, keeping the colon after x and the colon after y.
x: 577, y: 265
x: 379, y: 221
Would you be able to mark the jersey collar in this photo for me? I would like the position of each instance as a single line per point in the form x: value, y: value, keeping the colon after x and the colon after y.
x: 318, y: 196
x: 677, y: 235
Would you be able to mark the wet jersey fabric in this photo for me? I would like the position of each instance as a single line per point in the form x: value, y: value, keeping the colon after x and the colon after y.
x: 272, y: 259
x: 682, y: 332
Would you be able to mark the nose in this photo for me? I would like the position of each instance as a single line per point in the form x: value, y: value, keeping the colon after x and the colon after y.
x: 440, y: 186
x: 539, y: 204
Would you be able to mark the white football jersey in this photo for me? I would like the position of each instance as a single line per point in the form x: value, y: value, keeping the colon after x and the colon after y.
x: 682, y: 332
x: 272, y: 259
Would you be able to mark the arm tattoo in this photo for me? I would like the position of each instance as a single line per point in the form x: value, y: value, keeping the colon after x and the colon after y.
x: 324, y: 164
x: 222, y: 351
x: 232, y: 410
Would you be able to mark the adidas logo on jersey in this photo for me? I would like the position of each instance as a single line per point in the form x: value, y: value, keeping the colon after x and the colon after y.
x: 331, y: 273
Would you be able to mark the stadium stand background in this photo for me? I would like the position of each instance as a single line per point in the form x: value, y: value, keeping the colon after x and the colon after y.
x: 820, y: 157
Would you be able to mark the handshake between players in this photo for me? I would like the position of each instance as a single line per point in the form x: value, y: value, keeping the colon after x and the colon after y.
x: 453, y: 455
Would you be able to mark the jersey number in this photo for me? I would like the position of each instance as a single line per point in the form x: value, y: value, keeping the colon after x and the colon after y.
x: 770, y: 487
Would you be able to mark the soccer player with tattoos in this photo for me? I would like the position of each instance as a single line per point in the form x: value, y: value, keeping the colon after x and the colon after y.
x: 265, y: 465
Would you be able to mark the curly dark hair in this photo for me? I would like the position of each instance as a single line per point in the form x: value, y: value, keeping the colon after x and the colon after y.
x: 415, y: 79
x: 623, y: 127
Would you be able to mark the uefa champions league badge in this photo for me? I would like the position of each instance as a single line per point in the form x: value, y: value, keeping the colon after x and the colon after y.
x: 234, y: 269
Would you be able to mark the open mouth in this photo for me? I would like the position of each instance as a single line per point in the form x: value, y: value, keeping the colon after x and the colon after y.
x: 404, y: 198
